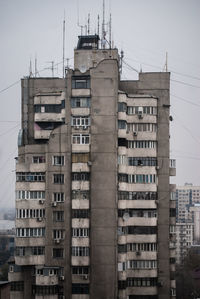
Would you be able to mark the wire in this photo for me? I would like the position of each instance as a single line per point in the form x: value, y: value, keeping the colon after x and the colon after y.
x: 9, y: 130
x: 184, y: 83
x: 187, y: 101
x: 34, y: 74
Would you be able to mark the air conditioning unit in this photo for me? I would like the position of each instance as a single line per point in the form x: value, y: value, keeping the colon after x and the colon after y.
x: 85, y: 277
x: 138, y: 253
x: 157, y: 167
x: 41, y: 201
x: 39, y: 219
x: 54, y: 204
x: 76, y: 127
x: 85, y: 127
x: 62, y: 277
x: 135, y: 133
x: 57, y: 241
x: 160, y: 283
x: 89, y: 163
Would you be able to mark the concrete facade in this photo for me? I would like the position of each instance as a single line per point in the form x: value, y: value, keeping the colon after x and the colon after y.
x: 92, y: 185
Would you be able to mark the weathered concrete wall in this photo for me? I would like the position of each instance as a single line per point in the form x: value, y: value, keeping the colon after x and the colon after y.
x: 104, y: 90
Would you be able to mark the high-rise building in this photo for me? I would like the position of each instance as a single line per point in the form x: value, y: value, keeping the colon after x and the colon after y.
x: 93, y: 200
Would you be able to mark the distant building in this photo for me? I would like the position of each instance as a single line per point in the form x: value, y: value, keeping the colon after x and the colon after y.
x: 184, y: 240
x: 94, y: 207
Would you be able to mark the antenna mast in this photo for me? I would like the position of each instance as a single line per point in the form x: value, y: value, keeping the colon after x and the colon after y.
x: 64, y: 46
x: 103, y: 38
x: 110, y: 31
x: 30, y: 69
x: 88, y: 24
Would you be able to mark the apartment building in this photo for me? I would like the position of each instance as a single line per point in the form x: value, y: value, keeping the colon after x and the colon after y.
x: 94, y: 206
x: 184, y: 240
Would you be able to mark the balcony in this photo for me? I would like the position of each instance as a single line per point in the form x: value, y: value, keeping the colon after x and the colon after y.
x: 49, y: 117
x: 42, y: 134
x: 172, y: 167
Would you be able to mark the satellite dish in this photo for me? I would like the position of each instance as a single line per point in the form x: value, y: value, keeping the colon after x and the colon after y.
x: 83, y: 69
x: 126, y: 216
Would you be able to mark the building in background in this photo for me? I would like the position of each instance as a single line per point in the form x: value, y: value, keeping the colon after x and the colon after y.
x: 187, y: 218
x: 94, y: 207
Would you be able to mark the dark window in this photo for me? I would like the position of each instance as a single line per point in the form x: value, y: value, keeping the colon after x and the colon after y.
x: 58, y: 252
x: 141, y: 281
x: 122, y: 248
x: 122, y: 107
x: 121, y: 284
x: 122, y: 142
x: 80, y: 176
x: 80, y: 102
x: 47, y: 108
x: 138, y: 230
x: 172, y: 212
x: 80, y: 213
x: 80, y: 288
x: 58, y: 178
x: 58, y: 216
x: 123, y: 177
x: 125, y: 195
x: 45, y: 290
x: 122, y: 124
x: 81, y: 82
x: 38, y: 159
x: 172, y: 260
x: 30, y: 176
x: 17, y: 286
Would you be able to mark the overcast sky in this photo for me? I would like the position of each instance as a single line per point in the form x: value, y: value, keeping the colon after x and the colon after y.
x: 144, y: 29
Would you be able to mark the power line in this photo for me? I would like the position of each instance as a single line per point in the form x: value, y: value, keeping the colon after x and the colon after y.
x: 184, y: 83
x: 187, y: 101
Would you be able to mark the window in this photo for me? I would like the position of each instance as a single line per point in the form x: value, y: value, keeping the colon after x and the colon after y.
x: 58, y: 252
x: 80, y: 232
x: 58, y: 234
x: 137, y: 230
x: 122, y: 124
x: 80, y: 288
x: 142, y: 110
x: 80, y: 213
x: 83, y: 121
x: 137, y: 178
x: 58, y: 160
x: 58, y: 196
x: 122, y: 107
x: 58, y: 216
x: 81, y: 82
x: 27, y: 251
x: 122, y: 160
x: 172, y: 212
x: 80, y: 176
x: 138, y: 213
x: 122, y: 142
x: 80, y: 157
x: 80, y: 138
x: 80, y: 251
x: 142, y: 144
x: 24, y: 194
x: 80, y: 102
x: 58, y: 178
x: 141, y: 127
x: 30, y: 213
x: 80, y: 194
x: 30, y: 176
x: 125, y: 195
x: 30, y: 232
x: 133, y: 247
x: 142, y: 161
x: 142, y: 282
x: 142, y: 264
x: 45, y: 290
x: 38, y: 159
x: 48, y: 108
x: 80, y: 270
x: 17, y: 286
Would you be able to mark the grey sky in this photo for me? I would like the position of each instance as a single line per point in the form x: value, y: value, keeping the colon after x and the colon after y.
x: 145, y: 29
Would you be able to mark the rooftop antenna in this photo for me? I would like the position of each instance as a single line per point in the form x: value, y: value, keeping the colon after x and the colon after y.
x: 52, y: 67
x: 110, y: 32
x: 30, y: 69
x: 88, y: 31
x: 103, y: 39
x: 166, y: 64
x: 78, y: 24
x: 36, y: 71
x: 98, y: 25
x: 64, y: 46
x: 121, y: 60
